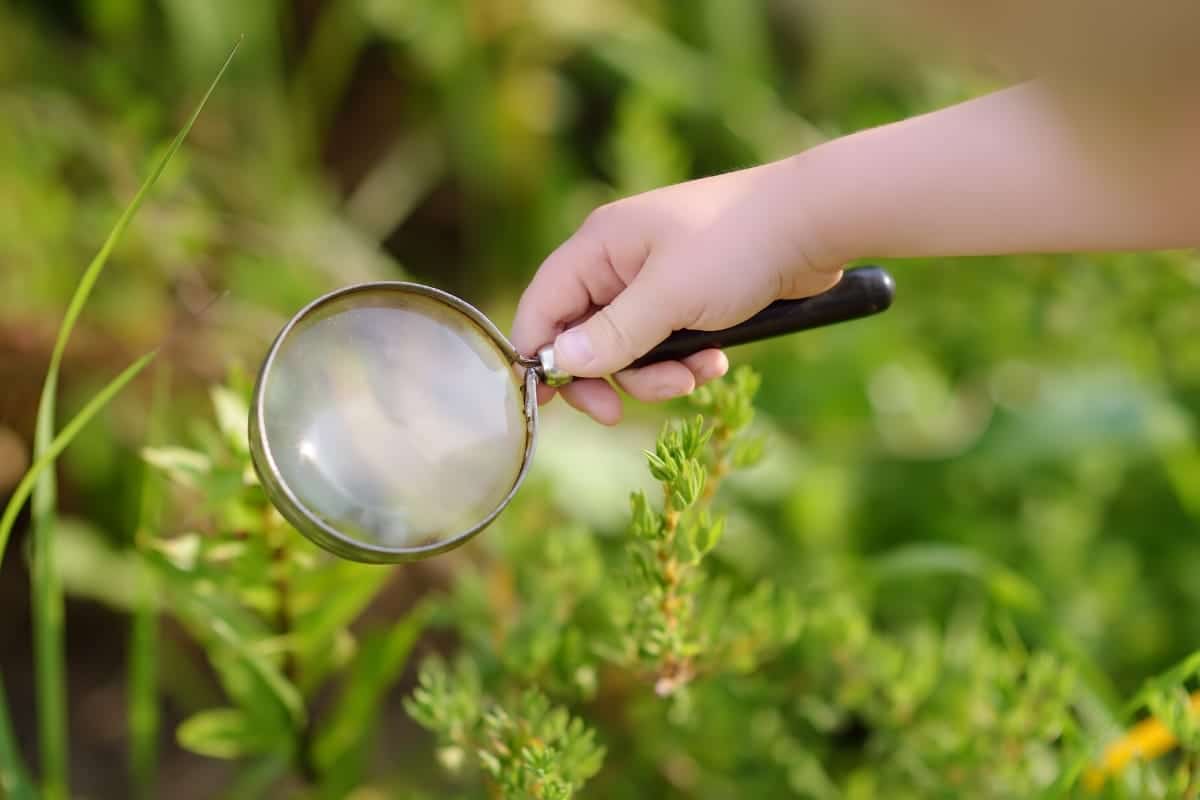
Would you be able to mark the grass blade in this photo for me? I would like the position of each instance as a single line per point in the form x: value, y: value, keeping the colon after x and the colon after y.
x: 48, y: 602
x: 11, y: 768
x: 14, y: 781
x: 64, y: 438
x: 83, y: 290
x: 55, y: 785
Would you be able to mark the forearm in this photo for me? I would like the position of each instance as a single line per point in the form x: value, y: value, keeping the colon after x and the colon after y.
x: 1012, y: 172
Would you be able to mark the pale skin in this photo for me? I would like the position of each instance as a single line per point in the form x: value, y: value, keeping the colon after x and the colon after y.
x: 1024, y: 170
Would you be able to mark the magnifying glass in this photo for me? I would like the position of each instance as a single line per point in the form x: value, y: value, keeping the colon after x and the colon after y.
x: 392, y: 421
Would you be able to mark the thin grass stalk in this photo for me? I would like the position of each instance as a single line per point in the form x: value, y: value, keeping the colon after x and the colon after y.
x: 144, y: 723
x: 44, y: 461
x: 49, y: 657
x: 47, y: 602
x: 11, y: 765
x: 14, y: 778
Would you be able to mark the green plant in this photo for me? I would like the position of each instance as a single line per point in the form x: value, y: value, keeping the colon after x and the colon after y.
x: 527, y: 748
x: 710, y: 674
x: 47, y: 601
x: 572, y: 646
x: 273, y: 614
x: 665, y: 631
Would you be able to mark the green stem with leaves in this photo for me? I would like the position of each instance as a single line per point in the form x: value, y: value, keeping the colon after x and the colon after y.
x: 674, y: 669
x: 689, y: 459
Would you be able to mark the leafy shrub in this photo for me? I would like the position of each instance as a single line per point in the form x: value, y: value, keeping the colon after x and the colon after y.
x: 640, y: 666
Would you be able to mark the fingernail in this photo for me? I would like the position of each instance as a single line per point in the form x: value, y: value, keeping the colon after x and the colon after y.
x: 713, y: 371
x: 573, y: 349
x: 664, y: 393
x: 670, y: 391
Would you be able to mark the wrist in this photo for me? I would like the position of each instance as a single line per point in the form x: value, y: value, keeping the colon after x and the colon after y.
x: 824, y: 223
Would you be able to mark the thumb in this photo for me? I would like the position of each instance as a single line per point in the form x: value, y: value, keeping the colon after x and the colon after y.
x: 637, y: 319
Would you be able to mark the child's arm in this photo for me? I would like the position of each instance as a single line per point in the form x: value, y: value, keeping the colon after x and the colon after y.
x: 1018, y: 171
x: 1007, y: 173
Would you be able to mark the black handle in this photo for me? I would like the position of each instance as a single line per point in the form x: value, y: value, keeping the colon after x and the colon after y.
x: 861, y: 292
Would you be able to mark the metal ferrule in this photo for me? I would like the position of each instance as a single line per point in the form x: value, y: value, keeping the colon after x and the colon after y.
x: 549, y: 373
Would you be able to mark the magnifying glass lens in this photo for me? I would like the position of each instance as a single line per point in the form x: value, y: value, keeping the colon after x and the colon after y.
x: 393, y: 418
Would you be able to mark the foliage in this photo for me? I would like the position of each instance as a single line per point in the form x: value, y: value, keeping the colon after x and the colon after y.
x: 40, y: 484
x: 533, y: 750
x: 798, y: 691
x: 273, y: 614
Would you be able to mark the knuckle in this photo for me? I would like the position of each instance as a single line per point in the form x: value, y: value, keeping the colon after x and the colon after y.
x: 806, y: 283
x: 601, y: 217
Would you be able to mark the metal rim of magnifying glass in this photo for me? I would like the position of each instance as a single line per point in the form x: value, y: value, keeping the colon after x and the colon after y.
x: 309, y: 523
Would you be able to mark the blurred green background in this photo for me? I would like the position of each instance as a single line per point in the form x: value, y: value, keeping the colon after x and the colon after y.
x: 1028, y: 419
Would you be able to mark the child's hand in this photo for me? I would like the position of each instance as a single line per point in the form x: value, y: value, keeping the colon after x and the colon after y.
x: 1023, y: 170
x: 705, y: 255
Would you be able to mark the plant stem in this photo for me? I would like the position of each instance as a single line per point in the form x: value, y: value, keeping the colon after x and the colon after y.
x: 143, y: 684
x: 1193, y: 768
x: 14, y: 780
x: 49, y: 657
x: 143, y: 636
x: 673, y: 668
x: 720, y: 466
x: 676, y: 670
x: 284, y: 624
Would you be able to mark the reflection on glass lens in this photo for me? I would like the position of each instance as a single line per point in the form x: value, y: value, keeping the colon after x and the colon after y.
x: 394, y: 418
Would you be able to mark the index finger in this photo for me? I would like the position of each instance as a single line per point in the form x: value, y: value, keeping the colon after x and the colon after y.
x: 572, y: 281
x: 585, y: 273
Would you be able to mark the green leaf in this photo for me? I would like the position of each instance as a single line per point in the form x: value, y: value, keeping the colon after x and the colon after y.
x: 183, y: 551
x: 749, y: 452
x: 645, y: 522
x: 332, y: 598
x: 1176, y: 676
x: 918, y: 560
x: 232, y: 416
x: 254, y: 781
x: 641, y: 563
x: 217, y: 622
x: 88, y: 565
x: 64, y: 438
x: 708, y: 536
x: 690, y: 483
x: 660, y: 468
x: 226, y: 733
x: 181, y: 465
x: 447, y: 703
x: 341, y: 749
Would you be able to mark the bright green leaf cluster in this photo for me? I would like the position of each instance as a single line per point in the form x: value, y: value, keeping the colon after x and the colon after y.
x: 529, y: 749
x: 668, y: 545
x: 730, y: 402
